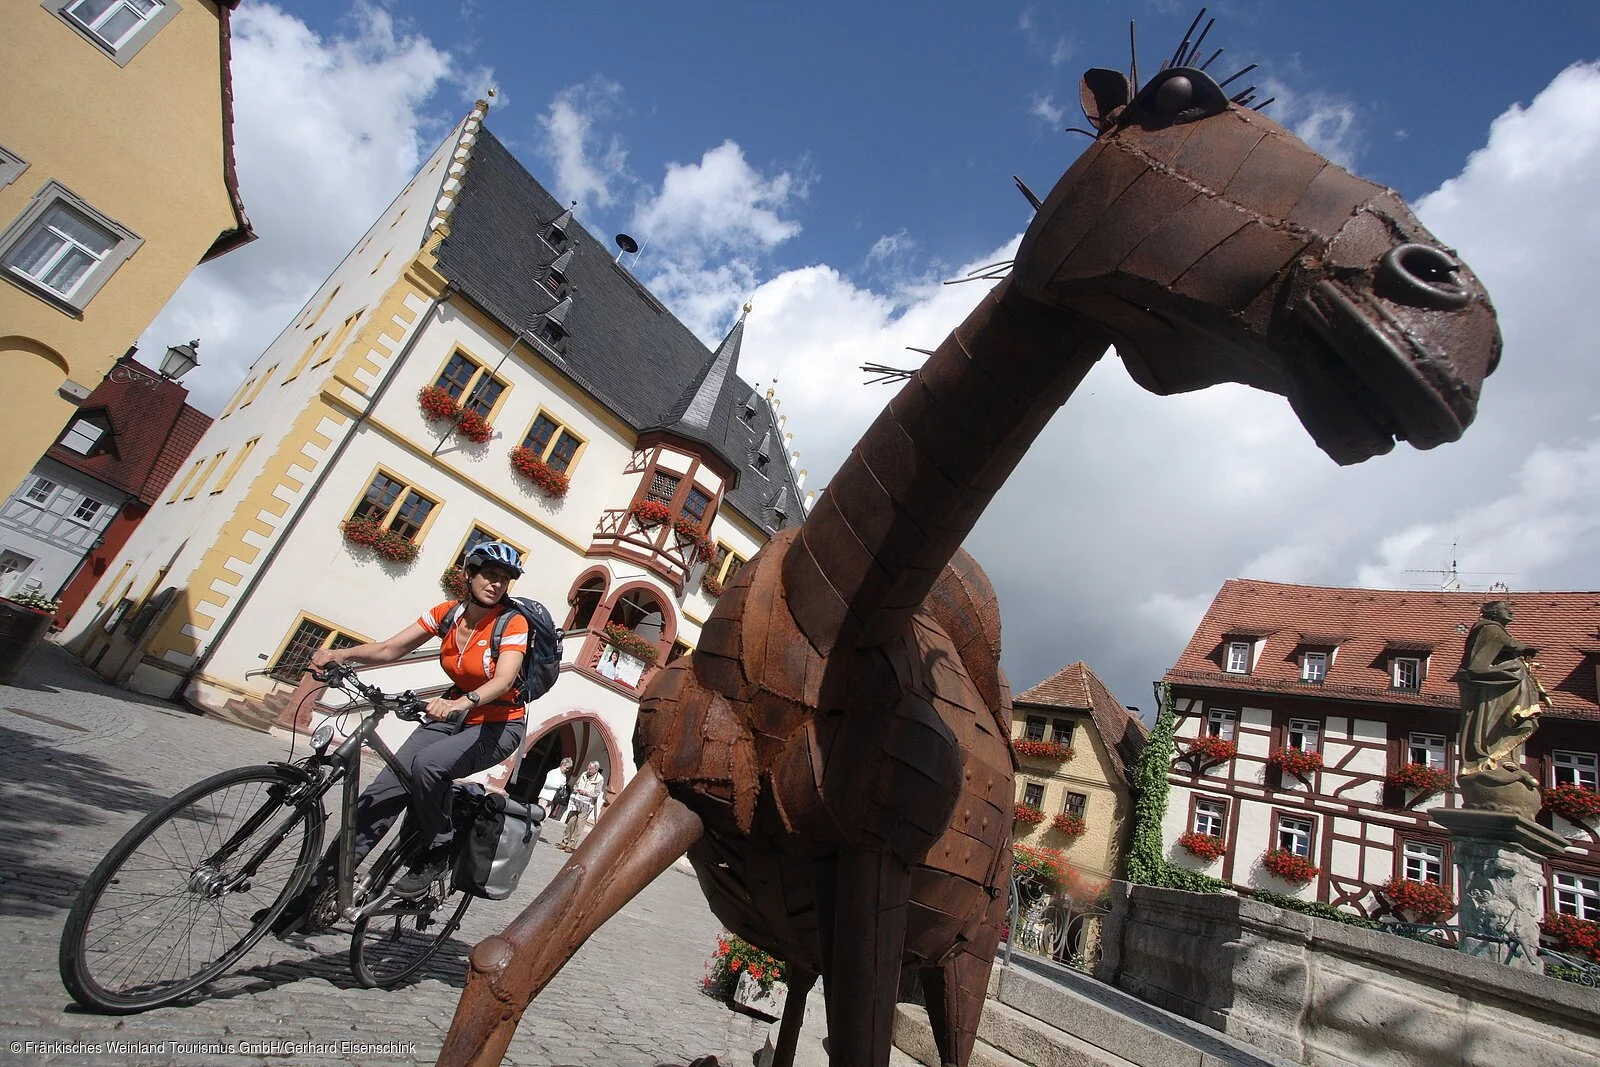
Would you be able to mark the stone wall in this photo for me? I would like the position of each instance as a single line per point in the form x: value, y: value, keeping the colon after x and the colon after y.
x: 1324, y: 993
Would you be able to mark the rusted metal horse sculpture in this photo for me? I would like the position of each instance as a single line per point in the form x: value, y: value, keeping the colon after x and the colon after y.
x: 834, y: 755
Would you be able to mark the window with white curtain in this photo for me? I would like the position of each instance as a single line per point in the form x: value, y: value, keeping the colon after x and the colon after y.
x: 62, y: 249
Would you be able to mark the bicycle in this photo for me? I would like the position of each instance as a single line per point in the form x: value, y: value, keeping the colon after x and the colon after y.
x: 221, y: 860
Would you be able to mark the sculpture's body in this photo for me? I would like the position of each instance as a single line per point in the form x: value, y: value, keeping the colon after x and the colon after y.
x: 834, y: 756
x: 1501, y: 699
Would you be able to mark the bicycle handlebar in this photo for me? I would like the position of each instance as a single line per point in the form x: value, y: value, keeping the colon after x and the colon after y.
x: 406, y: 705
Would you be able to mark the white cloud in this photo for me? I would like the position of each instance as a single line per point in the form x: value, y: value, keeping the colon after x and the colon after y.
x: 1046, y: 108
x: 1325, y: 121
x: 590, y: 167
x: 328, y: 130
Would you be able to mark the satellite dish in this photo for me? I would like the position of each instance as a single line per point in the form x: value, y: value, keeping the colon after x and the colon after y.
x: 627, y: 244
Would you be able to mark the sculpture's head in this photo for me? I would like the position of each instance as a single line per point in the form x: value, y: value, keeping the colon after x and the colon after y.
x: 1497, y: 611
x: 1214, y: 245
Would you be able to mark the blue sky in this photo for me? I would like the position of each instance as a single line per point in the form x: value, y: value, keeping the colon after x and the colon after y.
x: 835, y: 162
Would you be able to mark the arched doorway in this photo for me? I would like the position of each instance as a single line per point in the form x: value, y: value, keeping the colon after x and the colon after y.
x: 584, y: 736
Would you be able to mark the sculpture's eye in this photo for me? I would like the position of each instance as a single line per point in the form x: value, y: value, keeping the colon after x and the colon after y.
x: 1174, y: 95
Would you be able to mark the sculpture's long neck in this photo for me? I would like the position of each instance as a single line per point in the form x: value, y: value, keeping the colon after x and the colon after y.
x: 915, y: 484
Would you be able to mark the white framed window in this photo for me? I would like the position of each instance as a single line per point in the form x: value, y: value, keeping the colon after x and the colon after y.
x: 39, y: 490
x: 11, y: 166
x: 1305, y: 734
x: 82, y: 436
x: 118, y: 27
x: 63, y: 250
x: 1407, y: 672
x: 1577, y: 894
x: 1313, y: 666
x: 1576, y: 768
x: 1296, y: 834
x: 1422, y: 862
x: 1221, y: 723
x: 1210, y: 816
x: 1033, y: 795
x: 1427, y: 749
x: 1238, y: 657
x: 87, y: 511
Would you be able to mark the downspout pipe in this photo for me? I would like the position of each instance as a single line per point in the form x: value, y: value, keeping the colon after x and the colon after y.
x: 328, y: 466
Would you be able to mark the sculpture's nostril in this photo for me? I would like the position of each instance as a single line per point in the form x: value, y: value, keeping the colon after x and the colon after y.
x: 1421, y: 275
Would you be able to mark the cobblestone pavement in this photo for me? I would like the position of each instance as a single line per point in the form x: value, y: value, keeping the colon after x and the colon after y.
x: 80, y: 762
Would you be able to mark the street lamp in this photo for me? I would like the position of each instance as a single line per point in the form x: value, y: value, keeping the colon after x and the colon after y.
x: 180, y: 360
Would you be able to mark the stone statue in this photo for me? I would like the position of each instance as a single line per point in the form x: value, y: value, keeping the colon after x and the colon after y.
x: 1501, y: 699
x: 834, y: 756
x: 1500, y: 892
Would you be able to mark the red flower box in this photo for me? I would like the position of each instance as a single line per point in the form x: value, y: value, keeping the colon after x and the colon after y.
x: 384, y: 542
x: 454, y: 582
x: 1573, y: 802
x: 1046, y: 865
x: 1069, y: 824
x: 1205, y: 750
x: 1289, y: 867
x: 1424, y: 901
x: 650, y: 512
x: 438, y: 405
x: 474, y: 427
x: 1295, y: 761
x: 1579, y: 937
x: 1420, y: 778
x: 710, y: 586
x: 528, y: 464
x: 1029, y: 814
x: 1207, y: 846
x: 689, y: 533
x: 627, y: 641
x: 1045, y: 750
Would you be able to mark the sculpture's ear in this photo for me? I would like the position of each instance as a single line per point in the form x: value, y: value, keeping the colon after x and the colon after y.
x: 1101, y: 92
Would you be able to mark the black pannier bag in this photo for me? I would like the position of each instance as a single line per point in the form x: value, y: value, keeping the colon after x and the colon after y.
x: 500, y: 840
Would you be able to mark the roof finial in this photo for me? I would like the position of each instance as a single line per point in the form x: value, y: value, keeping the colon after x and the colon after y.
x: 748, y: 306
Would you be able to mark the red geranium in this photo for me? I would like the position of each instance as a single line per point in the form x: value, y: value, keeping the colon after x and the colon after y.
x: 1069, y: 824
x: 690, y: 535
x: 1580, y: 937
x: 474, y: 427
x: 650, y: 512
x: 1424, y: 900
x: 626, y: 640
x: 1047, y: 865
x: 384, y: 542
x: 454, y: 582
x: 1419, y: 778
x: 710, y: 586
x: 437, y: 404
x: 1295, y: 761
x: 1289, y: 867
x: 1208, y: 750
x: 1046, y: 750
x: 1029, y: 814
x: 530, y: 466
x: 1206, y: 846
x: 733, y: 955
x: 1573, y: 802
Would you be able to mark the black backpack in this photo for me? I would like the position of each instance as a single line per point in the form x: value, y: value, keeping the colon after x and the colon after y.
x: 542, y: 664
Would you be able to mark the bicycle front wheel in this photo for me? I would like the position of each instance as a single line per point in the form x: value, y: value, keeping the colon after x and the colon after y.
x: 189, y: 890
x: 395, y: 936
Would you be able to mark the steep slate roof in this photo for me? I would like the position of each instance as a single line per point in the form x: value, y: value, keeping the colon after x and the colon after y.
x: 153, y: 430
x: 623, y: 346
x: 1076, y: 686
x: 1371, y: 625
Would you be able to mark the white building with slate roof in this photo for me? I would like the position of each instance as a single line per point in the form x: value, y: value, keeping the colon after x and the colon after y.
x: 634, y: 468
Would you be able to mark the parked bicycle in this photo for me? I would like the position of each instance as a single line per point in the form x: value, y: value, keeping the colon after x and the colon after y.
x: 196, y: 883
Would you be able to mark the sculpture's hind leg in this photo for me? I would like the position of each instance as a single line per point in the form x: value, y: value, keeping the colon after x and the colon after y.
x: 642, y: 833
x: 955, y: 990
x: 794, y: 1016
x: 861, y: 910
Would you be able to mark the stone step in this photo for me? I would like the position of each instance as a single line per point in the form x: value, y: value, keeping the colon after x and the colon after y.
x: 1106, y: 1018
x: 245, y: 713
x: 913, y: 1037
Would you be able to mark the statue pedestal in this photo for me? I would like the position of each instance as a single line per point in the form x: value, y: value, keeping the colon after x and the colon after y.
x: 1500, y: 873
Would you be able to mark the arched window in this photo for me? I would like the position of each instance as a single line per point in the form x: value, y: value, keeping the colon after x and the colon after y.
x: 585, y: 599
x: 634, y: 607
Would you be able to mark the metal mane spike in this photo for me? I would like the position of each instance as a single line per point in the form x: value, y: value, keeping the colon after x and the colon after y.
x: 1022, y: 186
x: 1183, y: 46
x: 1236, y: 76
x: 883, y: 374
x: 988, y: 273
x: 1133, y: 61
x: 1188, y: 60
x: 1243, y: 97
x: 1264, y: 103
x: 1212, y: 60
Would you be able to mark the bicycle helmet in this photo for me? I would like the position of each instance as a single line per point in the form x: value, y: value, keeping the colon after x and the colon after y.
x: 498, y: 553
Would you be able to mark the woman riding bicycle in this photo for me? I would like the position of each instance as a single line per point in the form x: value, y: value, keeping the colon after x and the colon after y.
x: 475, y: 725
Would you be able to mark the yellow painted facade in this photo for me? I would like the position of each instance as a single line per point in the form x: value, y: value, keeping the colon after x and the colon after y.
x: 141, y: 142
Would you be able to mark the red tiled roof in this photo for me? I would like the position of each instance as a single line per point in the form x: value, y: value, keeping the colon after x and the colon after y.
x: 1076, y: 686
x: 153, y: 430
x: 1380, y: 623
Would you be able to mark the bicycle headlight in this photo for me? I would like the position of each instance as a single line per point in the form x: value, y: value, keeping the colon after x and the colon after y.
x: 320, y: 739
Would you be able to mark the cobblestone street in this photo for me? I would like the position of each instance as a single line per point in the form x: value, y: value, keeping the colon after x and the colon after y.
x: 80, y: 762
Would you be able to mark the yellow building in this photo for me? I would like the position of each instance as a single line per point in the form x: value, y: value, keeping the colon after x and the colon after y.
x: 1077, y: 747
x: 116, y: 179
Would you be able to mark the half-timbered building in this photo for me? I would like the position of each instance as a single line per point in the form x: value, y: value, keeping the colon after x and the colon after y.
x: 1323, y: 723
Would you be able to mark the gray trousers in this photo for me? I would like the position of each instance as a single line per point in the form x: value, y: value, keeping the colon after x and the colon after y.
x: 434, y: 755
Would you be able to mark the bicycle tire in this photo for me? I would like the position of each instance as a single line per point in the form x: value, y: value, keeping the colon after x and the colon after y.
x: 166, y: 848
x: 394, y: 937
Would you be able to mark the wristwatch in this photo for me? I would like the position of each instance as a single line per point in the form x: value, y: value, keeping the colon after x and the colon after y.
x: 472, y: 698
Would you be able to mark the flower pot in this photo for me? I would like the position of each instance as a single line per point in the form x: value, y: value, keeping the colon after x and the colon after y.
x: 21, y: 630
x: 749, y: 996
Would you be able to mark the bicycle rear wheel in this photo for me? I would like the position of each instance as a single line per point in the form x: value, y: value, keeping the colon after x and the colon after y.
x: 175, y: 902
x: 395, y: 936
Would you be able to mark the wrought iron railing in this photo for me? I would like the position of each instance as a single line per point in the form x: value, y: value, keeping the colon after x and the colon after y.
x: 1052, y: 925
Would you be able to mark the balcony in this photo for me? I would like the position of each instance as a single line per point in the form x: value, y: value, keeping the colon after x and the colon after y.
x: 656, y: 545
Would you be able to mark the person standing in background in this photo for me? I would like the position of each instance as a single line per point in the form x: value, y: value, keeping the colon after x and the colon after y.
x: 587, y: 790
